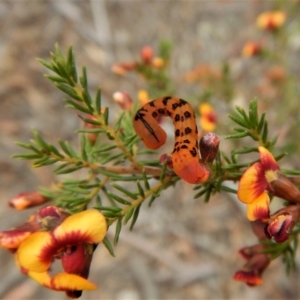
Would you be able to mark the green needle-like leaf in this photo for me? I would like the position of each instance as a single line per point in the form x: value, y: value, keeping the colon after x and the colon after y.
x: 237, y: 135
x: 253, y: 114
x: 125, y: 191
x: 108, y: 246
x: 135, y: 216
x: 128, y: 215
x: 261, y: 123
x: 238, y: 120
x: 74, y: 105
x: 118, y: 198
x: 201, y: 193
x: 118, y: 231
x: 72, y: 64
x: 146, y: 183
x: 97, y: 102
x: 68, y: 90
x: 141, y: 190
x: 265, y: 132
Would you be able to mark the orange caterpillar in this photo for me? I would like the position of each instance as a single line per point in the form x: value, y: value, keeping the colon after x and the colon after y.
x: 185, y: 156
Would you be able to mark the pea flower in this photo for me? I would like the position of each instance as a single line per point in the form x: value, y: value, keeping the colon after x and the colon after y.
x: 257, y: 262
x: 261, y: 177
x: 271, y: 20
x: 251, y: 49
x: 143, y: 97
x: 282, y: 222
x: 254, y: 183
x: 71, y: 238
x: 208, y: 117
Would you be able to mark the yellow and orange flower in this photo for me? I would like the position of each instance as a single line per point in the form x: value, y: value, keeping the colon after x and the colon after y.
x: 271, y: 20
x: 251, y: 49
x: 158, y: 62
x: 254, y: 183
x: 208, y: 117
x: 143, y: 97
x: 57, y: 235
x: 257, y: 262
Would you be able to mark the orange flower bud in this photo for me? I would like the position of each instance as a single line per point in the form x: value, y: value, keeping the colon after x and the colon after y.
x: 26, y: 200
x: 158, y: 62
x: 123, y: 68
x: 123, y: 99
x: 146, y: 54
x: 209, y: 147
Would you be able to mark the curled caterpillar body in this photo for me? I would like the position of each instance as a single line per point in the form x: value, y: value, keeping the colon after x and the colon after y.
x: 185, y: 156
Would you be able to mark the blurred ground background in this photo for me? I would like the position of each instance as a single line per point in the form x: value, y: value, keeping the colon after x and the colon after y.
x: 180, y: 248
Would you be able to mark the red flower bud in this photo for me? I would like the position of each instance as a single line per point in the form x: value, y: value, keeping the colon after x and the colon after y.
x: 26, y: 200
x: 282, y: 222
x: 52, y: 216
x: 168, y: 158
x: 209, y: 147
x: 284, y: 188
x: 257, y: 262
x: 146, y: 54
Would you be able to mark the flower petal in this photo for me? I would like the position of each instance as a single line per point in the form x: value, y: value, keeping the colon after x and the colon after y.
x: 248, y: 277
x: 280, y: 227
x: 11, y: 239
x: 76, y: 259
x: 35, y: 253
x: 43, y: 278
x: 207, y: 124
x: 267, y: 159
x: 65, y: 281
x: 88, y: 226
x: 208, y: 117
x: 259, y: 209
x: 252, y: 184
